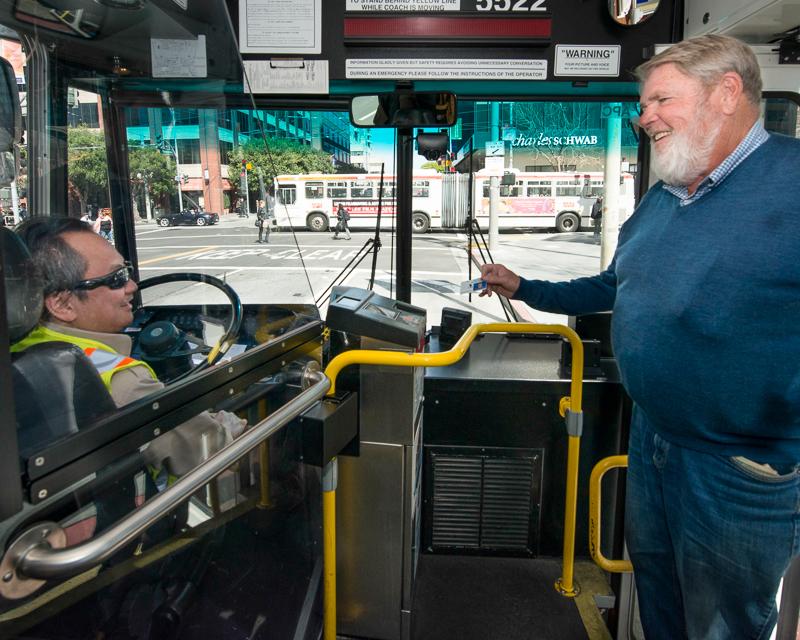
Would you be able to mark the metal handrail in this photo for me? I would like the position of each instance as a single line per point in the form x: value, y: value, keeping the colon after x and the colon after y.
x: 569, y: 407
x: 595, y: 487
x: 43, y: 562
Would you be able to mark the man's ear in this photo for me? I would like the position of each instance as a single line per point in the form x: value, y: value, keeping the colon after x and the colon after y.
x: 732, y: 92
x: 60, y: 305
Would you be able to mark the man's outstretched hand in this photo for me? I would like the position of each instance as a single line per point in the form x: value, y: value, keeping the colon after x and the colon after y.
x: 500, y: 280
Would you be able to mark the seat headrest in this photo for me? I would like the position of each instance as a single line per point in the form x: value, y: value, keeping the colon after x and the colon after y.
x: 23, y: 286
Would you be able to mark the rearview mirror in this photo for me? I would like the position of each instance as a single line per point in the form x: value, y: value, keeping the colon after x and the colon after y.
x: 404, y: 110
x: 10, y: 123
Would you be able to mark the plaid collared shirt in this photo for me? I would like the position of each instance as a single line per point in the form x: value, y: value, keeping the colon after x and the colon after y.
x: 752, y: 141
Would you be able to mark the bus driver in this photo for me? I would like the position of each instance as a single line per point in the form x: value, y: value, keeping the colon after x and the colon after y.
x: 87, y: 302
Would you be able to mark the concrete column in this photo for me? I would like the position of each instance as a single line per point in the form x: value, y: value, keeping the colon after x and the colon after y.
x: 210, y: 161
x: 611, y: 201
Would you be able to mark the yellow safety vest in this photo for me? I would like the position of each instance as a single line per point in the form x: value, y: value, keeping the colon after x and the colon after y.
x: 104, y: 358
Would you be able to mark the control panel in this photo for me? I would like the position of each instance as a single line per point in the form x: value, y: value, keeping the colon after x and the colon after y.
x: 365, y: 313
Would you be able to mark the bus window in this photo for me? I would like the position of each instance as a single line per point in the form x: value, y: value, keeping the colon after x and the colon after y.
x: 337, y: 189
x: 565, y: 189
x: 388, y: 190
x: 511, y: 191
x: 421, y: 189
x: 361, y: 189
x: 287, y: 194
x: 539, y: 188
x: 314, y: 190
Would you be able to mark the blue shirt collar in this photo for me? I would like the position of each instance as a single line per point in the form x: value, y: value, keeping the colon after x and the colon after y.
x: 752, y: 141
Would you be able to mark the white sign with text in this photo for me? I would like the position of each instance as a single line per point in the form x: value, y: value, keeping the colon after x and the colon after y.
x: 448, y: 69
x: 587, y: 60
x: 403, y: 5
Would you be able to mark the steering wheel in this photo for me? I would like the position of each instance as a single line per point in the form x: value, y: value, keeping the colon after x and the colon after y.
x: 164, y: 336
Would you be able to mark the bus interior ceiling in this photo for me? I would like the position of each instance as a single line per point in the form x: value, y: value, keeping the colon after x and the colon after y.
x: 450, y: 480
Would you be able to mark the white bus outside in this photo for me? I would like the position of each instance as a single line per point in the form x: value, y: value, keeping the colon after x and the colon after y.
x: 535, y: 200
x: 310, y: 201
x: 560, y: 200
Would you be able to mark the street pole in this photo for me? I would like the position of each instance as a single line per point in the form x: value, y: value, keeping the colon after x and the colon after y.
x: 15, y: 201
x: 178, y: 175
x: 178, y: 181
x: 494, y: 208
x: 147, y: 199
x: 494, y: 183
x: 246, y: 192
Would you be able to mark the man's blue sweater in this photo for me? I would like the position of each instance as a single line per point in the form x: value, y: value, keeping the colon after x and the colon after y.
x: 706, y: 301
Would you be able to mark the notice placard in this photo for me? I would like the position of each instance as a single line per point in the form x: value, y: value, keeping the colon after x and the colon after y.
x: 587, y: 60
x: 403, y: 5
x: 173, y: 58
x: 286, y: 76
x: 280, y: 26
x: 446, y: 69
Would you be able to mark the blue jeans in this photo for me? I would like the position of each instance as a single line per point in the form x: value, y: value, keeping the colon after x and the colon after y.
x: 709, y: 538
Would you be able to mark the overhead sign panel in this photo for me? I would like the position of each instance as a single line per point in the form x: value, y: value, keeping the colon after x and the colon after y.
x: 587, y: 60
x: 491, y: 6
x: 446, y: 69
x: 412, y: 30
x: 403, y: 5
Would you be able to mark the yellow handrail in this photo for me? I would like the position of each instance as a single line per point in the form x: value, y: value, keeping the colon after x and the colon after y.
x: 565, y: 584
x: 445, y: 358
x: 595, y: 480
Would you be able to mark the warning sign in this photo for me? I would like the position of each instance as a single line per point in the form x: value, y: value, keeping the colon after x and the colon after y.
x: 587, y: 60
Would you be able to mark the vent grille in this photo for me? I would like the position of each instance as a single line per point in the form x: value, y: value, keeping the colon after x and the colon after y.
x: 485, y: 502
x: 506, y: 502
x: 456, y: 501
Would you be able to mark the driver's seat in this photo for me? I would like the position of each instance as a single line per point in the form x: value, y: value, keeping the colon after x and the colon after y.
x: 56, y: 388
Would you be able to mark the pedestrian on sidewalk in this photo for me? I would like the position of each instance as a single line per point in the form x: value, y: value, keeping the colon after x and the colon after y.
x: 597, y: 217
x: 104, y: 224
x: 243, y: 209
x: 343, y: 215
x: 263, y: 222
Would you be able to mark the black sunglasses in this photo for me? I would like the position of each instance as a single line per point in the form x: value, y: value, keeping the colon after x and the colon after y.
x: 114, y: 280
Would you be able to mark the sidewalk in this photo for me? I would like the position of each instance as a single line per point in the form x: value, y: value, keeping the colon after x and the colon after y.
x: 556, y: 257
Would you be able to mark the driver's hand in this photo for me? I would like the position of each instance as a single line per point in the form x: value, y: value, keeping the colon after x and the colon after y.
x: 499, y: 279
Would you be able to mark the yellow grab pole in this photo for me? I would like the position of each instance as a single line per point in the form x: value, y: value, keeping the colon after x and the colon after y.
x: 565, y: 585
x: 329, y: 482
x: 600, y: 469
x: 445, y: 358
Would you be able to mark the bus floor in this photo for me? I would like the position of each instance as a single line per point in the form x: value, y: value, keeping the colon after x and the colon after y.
x: 489, y: 598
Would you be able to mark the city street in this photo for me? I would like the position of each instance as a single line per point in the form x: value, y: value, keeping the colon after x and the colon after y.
x: 297, y: 268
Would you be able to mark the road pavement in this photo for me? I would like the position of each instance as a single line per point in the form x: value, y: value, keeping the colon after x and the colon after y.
x: 297, y: 267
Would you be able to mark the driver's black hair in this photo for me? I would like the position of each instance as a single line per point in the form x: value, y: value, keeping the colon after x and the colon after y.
x: 58, y: 264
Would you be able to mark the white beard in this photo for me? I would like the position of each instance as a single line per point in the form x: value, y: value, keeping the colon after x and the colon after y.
x: 687, y: 154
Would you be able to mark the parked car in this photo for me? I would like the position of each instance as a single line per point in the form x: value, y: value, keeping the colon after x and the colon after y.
x: 199, y: 218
